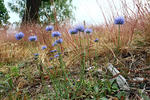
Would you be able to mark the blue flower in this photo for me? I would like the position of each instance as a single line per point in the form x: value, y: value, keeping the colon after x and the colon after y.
x: 56, y: 34
x: 53, y: 51
x: 73, y: 31
x: 44, y: 47
x: 119, y: 20
x: 88, y: 31
x: 59, y: 41
x: 54, y: 44
x: 36, y: 54
x: 57, y: 55
x: 32, y: 38
x: 51, y: 58
x: 96, y: 40
x: 80, y: 28
x: 49, y: 28
x: 19, y: 35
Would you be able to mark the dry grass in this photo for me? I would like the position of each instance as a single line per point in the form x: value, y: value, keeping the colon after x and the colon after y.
x: 12, y: 50
x: 134, y: 33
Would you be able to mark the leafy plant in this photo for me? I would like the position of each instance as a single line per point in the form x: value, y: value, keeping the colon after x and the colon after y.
x: 49, y: 11
x: 3, y: 13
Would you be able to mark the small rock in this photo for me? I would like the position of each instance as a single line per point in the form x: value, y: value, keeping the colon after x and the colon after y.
x: 121, y: 81
x: 90, y: 68
x: 138, y: 79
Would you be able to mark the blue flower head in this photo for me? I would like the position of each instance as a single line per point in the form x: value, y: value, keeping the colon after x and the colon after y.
x: 44, y: 47
x: 19, y: 36
x: 80, y: 28
x: 56, y: 34
x: 54, y: 44
x: 36, y: 54
x: 32, y: 38
x: 53, y: 51
x: 73, y: 31
x: 88, y: 31
x: 57, y: 55
x: 59, y: 41
x: 51, y: 58
x: 119, y: 20
x: 49, y: 28
x: 96, y: 40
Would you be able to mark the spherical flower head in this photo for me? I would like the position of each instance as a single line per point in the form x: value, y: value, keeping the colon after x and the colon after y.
x: 119, y: 20
x: 49, y: 28
x: 88, y: 31
x: 19, y: 36
x: 59, y: 41
x: 51, y: 58
x: 53, y: 51
x: 36, y: 54
x: 96, y: 40
x: 80, y: 28
x: 57, y: 55
x: 56, y: 34
x: 54, y: 44
x: 73, y: 31
x: 32, y: 38
x: 44, y: 47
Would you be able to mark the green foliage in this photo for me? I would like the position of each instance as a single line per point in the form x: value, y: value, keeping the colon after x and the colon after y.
x: 6, y: 82
x: 63, y: 10
x: 17, y: 6
x: 3, y: 13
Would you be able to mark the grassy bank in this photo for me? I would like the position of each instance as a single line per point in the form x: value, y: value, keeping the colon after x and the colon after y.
x: 75, y: 68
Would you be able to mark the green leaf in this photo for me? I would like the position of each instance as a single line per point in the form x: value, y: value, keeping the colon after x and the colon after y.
x: 96, y: 88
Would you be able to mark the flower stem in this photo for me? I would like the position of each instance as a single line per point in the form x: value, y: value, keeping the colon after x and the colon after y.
x: 118, y: 37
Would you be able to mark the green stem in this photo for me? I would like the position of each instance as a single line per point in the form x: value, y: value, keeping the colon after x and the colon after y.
x: 83, y: 55
x: 119, y: 37
x: 62, y: 65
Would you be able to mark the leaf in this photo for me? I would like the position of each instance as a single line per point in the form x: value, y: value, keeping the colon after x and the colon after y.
x: 96, y: 88
x: 103, y: 98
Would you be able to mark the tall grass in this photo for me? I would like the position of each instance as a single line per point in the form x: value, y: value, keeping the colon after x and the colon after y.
x: 137, y: 20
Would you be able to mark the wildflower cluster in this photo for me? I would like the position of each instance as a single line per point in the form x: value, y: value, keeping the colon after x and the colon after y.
x: 20, y: 35
x: 52, y: 74
x: 58, y: 40
x: 80, y: 28
x: 57, y: 35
